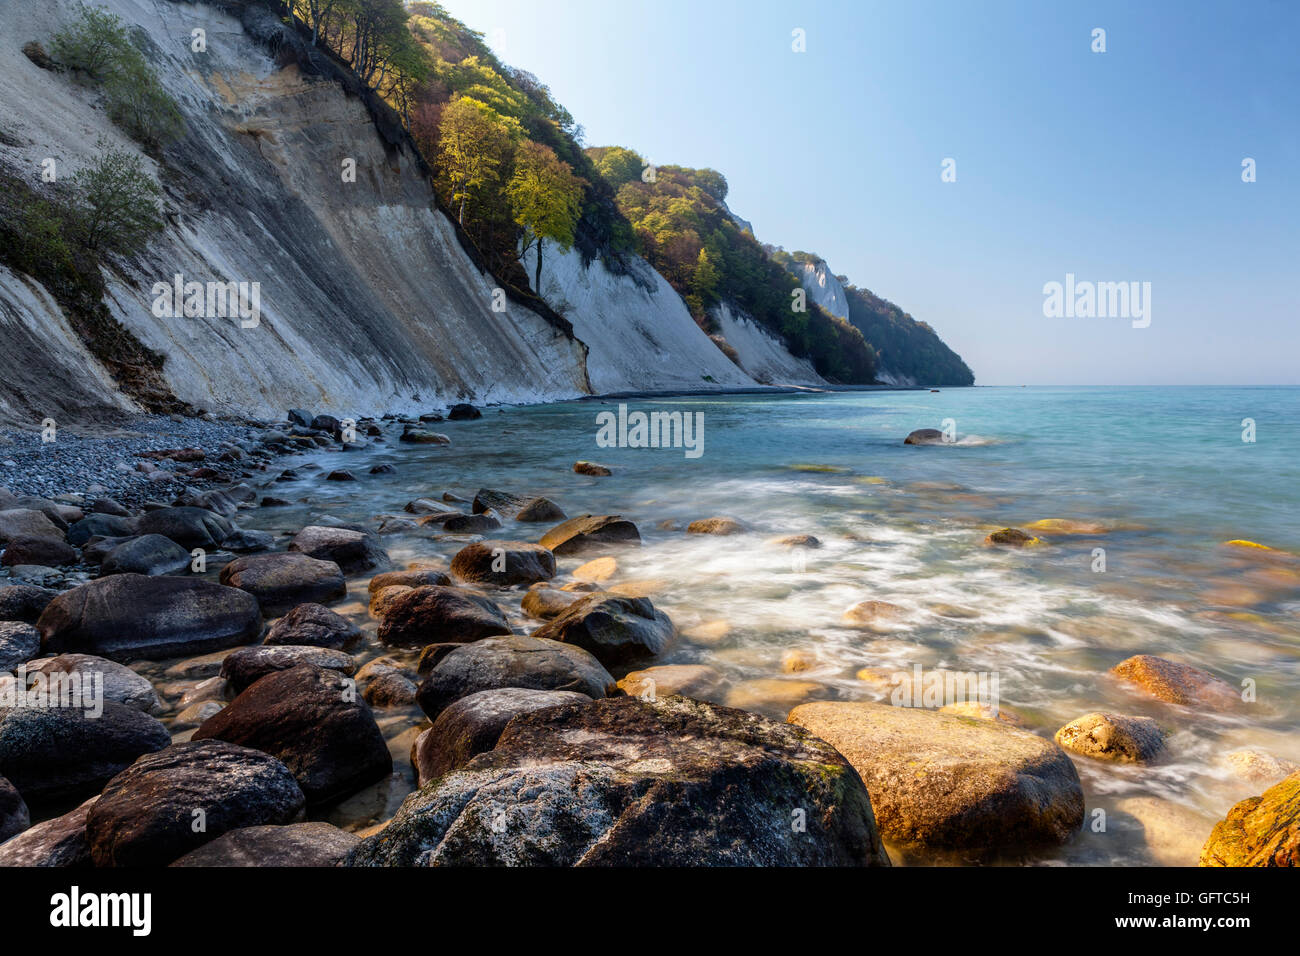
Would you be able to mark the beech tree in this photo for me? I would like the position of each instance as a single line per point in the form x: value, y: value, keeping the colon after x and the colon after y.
x: 473, y: 141
x: 546, y: 198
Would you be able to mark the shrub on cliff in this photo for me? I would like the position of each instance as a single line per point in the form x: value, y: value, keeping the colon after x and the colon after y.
x: 117, y: 203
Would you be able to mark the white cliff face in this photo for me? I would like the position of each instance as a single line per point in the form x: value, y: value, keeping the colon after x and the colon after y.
x: 824, y: 289
x: 638, y: 332
x: 761, y: 354
x: 367, y: 301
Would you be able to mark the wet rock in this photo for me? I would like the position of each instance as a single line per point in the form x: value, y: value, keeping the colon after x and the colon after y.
x: 1010, y: 538
x: 502, y: 502
x: 298, y: 844
x: 282, y: 581
x: 431, y: 656
x: 427, y: 506
x: 353, y: 551
x: 132, y: 616
x: 772, y: 696
x: 874, y: 614
x: 19, y: 643
x: 300, y: 417
x: 468, y: 524
x: 27, y: 523
x: 623, y: 782
x: 195, y: 714
x: 1259, y: 831
x: 27, y: 549
x: 381, y: 601
x: 422, y: 436
x: 55, y: 755
x: 718, y: 525
x: 1172, y: 833
x: 795, y: 541
x: 944, y: 781
x: 593, y: 469
x: 503, y: 563
x: 248, y: 665
x: 1066, y: 526
x: 150, y: 554
x: 311, y: 720
x: 1256, y: 766
x: 1177, y: 683
x: 101, y: 526
x: 116, y: 681
x: 684, y: 680
x: 433, y: 614
x: 187, y: 526
x: 386, y: 683
x: 463, y: 412
x: 327, y: 423
x: 1113, y: 737
x: 272, y: 502
x: 545, y: 603
x: 513, y: 661
x: 472, y: 725
x: 411, y: 578
x: 14, y: 818
x: 57, y: 842
x: 341, y: 474
x: 614, y: 629
x: 314, y: 625
x: 924, y: 436
x: 147, y: 813
x: 596, y: 571
x: 540, y: 509
x: 22, y: 602
x: 242, y: 541
x: 590, y: 532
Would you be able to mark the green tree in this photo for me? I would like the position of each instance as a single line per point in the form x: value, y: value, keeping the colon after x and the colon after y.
x: 95, y: 42
x: 138, y: 103
x: 117, y: 202
x: 619, y: 166
x: 473, y: 142
x: 546, y: 198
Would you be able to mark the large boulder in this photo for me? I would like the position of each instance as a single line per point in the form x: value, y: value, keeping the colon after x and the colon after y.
x: 14, y: 818
x: 503, y: 563
x: 939, y: 780
x: 55, y: 755
x: 314, y: 625
x: 519, y: 507
x: 149, y: 554
x: 615, y: 629
x: 189, y: 527
x: 115, y: 681
x: 624, y: 782
x: 1259, y: 831
x: 410, y: 578
x: 924, y: 436
x: 432, y: 614
x: 463, y: 412
x: 353, y: 551
x: 589, y: 533
x: 60, y: 841
x: 472, y: 725
x: 25, y: 603
x: 280, y: 582
x: 169, y: 803
x: 512, y: 662
x: 244, y: 667
x: 311, y: 719
x: 19, y: 643
x: 1177, y: 683
x: 297, y: 844
x: 1114, y: 737
x: 27, y: 522
x: 47, y: 552
x: 100, y: 526
x: 131, y: 616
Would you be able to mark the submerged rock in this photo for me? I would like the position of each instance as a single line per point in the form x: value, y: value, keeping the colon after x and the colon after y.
x: 592, y: 468
x: 589, y: 532
x: 1259, y: 831
x: 353, y: 551
x: 297, y: 844
x: 1177, y: 683
x: 546, y: 602
x: 944, y: 781
x: 1113, y: 737
x: 432, y: 614
x: 1010, y: 538
x: 147, y: 814
x: 282, y: 581
x: 685, y: 680
x: 132, y: 616
x: 614, y: 629
x: 514, y: 661
x: 925, y: 436
x: 717, y: 525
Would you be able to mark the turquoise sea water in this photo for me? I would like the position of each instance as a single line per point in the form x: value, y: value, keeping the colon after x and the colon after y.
x: 1163, y: 470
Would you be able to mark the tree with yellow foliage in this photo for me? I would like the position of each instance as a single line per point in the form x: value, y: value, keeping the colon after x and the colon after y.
x: 546, y: 198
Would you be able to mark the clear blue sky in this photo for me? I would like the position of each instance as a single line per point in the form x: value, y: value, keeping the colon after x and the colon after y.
x: 1115, y: 166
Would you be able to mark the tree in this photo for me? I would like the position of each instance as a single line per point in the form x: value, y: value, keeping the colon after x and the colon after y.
x: 618, y: 165
x: 118, y: 202
x: 473, y: 141
x: 546, y: 198
x: 138, y: 103
x: 96, y: 42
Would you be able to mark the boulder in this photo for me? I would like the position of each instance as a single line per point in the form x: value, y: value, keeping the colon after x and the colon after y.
x: 939, y: 780
x: 300, y: 417
x: 25, y: 523
x: 310, y: 719
x: 590, y: 532
x: 1010, y: 538
x: 545, y: 603
x: 14, y: 818
x: 503, y: 563
x: 719, y: 525
x: 297, y: 844
x: 472, y: 725
x: 502, y: 502
x: 466, y: 524
x: 684, y: 680
x: 924, y: 436
x: 116, y: 681
x: 411, y: 578
x: 58, y: 842
x: 314, y: 625
x: 540, y: 509
x: 513, y: 661
x: 1177, y: 683
x: 22, y: 602
x: 432, y: 614
x: 248, y: 665
x: 100, y: 526
x: 19, y: 643
x: 243, y: 541
x: 1113, y: 737
x: 873, y: 614
x: 592, y: 469
x: 381, y: 601
x: 386, y: 683
x: 614, y: 629
x: 353, y: 551
x: 624, y: 782
x: 132, y: 616
x: 422, y: 436
x: 108, y: 506
x: 147, y: 814
x: 149, y: 554
x: 1259, y: 831
x: 29, y: 549
x: 281, y: 581
x: 189, y: 527
x: 462, y: 412
x: 55, y: 755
